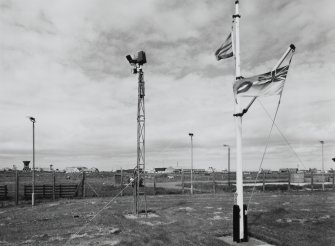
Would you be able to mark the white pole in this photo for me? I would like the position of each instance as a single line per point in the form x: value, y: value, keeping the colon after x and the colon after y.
x: 33, y: 189
x: 191, y: 135
x: 238, y: 124
x: 283, y: 57
x: 323, y: 168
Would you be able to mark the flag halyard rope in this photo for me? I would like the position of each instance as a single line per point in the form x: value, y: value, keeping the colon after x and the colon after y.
x: 283, y: 136
x: 265, y: 149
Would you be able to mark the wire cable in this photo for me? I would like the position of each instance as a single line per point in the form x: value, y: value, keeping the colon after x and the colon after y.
x: 265, y: 149
x: 86, y: 224
x: 283, y: 136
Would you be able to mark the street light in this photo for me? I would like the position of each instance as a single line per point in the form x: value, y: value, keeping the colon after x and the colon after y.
x: 33, y: 120
x: 228, y: 146
x: 323, y: 168
x: 191, y: 135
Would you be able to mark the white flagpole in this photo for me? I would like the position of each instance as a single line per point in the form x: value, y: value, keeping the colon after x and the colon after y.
x: 238, y: 123
x: 292, y: 47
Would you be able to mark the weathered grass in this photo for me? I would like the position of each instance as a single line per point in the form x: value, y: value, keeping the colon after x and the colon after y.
x: 290, y: 218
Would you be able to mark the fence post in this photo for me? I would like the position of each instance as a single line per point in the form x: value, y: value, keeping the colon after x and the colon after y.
x: 121, y: 182
x: 83, y: 185
x: 333, y: 179
x: 16, y: 187
x: 154, y: 183
x: 53, y: 186
x: 289, y: 180
x: 312, y: 180
x: 214, y: 188
x: 263, y: 180
x: 182, y: 182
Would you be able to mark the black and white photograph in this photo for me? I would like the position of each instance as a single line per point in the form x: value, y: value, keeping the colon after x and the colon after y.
x: 167, y: 122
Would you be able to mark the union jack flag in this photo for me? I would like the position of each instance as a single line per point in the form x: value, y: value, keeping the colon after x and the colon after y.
x: 274, y: 76
x: 266, y: 84
x: 226, y: 49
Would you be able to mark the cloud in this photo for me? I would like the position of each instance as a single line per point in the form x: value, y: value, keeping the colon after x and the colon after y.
x: 64, y: 62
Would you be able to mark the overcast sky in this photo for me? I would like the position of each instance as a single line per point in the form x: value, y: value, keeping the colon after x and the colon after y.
x: 63, y: 62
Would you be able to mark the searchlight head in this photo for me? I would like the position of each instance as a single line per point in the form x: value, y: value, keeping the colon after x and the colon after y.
x: 140, y: 59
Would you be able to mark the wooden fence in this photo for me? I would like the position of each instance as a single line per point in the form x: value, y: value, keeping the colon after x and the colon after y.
x: 3, y: 192
x: 51, y: 191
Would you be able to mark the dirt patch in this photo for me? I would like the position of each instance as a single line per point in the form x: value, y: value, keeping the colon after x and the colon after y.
x: 218, y: 217
x: 78, y: 236
x: 110, y: 242
x: 56, y: 238
x: 303, y: 220
x: 52, y: 204
x: 141, y: 215
x: 187, y: 209
x: 155, y: 223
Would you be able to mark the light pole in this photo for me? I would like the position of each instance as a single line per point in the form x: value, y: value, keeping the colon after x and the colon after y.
x: 32, y: 119
x: 323, y: 168
x: 228, y: 146
x: 191, y: 135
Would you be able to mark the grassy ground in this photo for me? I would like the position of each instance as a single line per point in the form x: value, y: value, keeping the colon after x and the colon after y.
x: 290, y: 218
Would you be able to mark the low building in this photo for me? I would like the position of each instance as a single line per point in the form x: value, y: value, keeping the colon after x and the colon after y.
x: 169, y: 170
x: 286, y: 170
x: 160, y: 169
x: 195, y: 171
x: 93, y: 170
x: 72, y: 170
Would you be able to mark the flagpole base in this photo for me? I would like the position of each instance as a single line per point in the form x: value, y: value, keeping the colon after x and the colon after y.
x: 236, y: 224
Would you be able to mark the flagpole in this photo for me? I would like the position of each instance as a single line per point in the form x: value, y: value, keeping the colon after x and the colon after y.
x: 292, y: 47
x: 238, y: 124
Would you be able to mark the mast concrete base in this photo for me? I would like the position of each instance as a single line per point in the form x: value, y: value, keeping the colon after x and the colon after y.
x: 228, y: 241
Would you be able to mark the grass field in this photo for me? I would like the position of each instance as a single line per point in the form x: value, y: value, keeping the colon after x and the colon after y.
x: 290, y: 218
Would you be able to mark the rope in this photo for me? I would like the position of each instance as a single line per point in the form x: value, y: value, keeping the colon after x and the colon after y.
x: 268, y: 138
x: 283, y: 136
x: 84, y: 226
x: 92, y: 188
x: 266, y: 146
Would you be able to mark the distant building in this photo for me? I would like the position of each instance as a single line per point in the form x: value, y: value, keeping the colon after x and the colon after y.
x: 160, y: 169
x: 286, y: 170
x: 93, y: 170
x: 42, y: 169
x: 195, y: 171
x: 80, y: 170
x: 177, y: 171
x: 125, y: 171
x: 169, y: 170
x: 267, y: 171
x: 72, y: 170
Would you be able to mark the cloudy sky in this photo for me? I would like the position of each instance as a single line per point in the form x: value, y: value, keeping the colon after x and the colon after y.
x: 63, y: 62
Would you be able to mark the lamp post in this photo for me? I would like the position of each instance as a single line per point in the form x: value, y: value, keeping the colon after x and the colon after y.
x: 33, y: 120
x: 191, y: 135
x: 228, y: 146
x: 323, y: 168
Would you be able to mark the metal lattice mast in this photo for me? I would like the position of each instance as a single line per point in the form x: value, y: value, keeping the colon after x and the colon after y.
x: 139, y: 172
x: 140, y: 167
